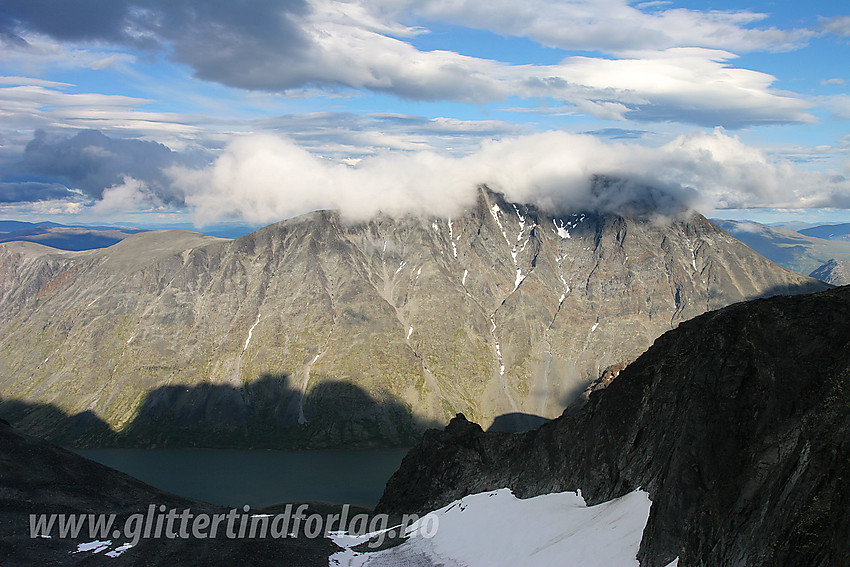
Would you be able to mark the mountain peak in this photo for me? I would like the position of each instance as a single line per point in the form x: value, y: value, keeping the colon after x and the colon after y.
x: 504, y: 310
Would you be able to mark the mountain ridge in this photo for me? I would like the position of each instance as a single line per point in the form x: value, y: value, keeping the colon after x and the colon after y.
x: 506, y: 309
x: 834, y: 272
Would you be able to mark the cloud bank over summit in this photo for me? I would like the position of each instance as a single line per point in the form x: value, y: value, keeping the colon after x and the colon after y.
x: 266, y: 178
x: 263, y: 178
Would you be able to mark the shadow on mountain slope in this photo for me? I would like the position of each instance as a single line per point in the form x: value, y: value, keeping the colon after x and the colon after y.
x: 517, y: 422
x: 266, y: 413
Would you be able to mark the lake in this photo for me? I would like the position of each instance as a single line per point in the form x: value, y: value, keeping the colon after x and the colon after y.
x: 259, y: 478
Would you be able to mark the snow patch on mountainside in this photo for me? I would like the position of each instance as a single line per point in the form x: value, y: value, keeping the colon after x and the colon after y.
x: 495, y: 529
x: 248, y: 338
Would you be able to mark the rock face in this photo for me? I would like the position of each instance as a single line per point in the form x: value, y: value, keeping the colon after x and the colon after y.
x: 833, y: 272
x: 317, y: 332
x: 737, y: 423
x: 39, y: 478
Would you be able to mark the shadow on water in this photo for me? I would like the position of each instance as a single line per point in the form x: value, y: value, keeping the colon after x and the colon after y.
x: 262, y: 414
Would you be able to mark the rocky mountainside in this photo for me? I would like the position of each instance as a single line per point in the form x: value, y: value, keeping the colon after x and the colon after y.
x: 835, y: 272
x: 737, y: 423
x: 318, y: 332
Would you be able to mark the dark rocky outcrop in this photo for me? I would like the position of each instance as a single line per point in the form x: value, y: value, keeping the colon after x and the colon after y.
x: 737, y: 423
x: 39, y: 478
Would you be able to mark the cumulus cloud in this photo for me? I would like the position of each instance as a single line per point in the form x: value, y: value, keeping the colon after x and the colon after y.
x: 265, y: 178
x: 670, y: 64
x: 89, y: 163
x: 131, y: 195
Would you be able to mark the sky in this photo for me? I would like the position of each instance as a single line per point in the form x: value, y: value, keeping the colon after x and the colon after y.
x: 157, y: 113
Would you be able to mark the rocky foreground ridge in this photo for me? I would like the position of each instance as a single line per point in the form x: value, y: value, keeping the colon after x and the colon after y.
x: 737, y: 423
x: 37, y: 477
x: 315, y: 332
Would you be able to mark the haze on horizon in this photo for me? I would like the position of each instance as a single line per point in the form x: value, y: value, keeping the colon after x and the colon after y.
x: 158, y: 113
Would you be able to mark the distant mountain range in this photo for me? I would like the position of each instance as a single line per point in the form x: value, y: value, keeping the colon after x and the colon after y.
x: 90, y: 237
x: 315, y: 332
x: 63, y: 237
x: 829, y: 231
x: 799, y: 251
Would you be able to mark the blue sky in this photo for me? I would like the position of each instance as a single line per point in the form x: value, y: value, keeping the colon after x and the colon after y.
x: 155, y: 112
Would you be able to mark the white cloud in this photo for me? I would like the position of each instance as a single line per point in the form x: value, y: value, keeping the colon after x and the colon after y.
x: 350, y: 135
x: 131, y: 195
x: 31, y: 81
x: 40, y: 52
x: 262, y: 179
x: 839, y: 25
x: 654, y: 81
x: 670, y: 65
x: 37, y: 211
x: 265, y: 178
x: 34, y: 104
x: 695, y: 83
x: 839, y: 105
x: 613, y: 26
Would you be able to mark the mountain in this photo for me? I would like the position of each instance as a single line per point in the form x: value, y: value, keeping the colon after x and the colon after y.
x: 792, y: 225
x: 736, y: 424
x: 829, y: 231
x: 7, y: 226
x: 225, y: 230
x: 788, y: 248
x: 39, y: 478
x: 317, y: 332
x: 833, y: 272
x: 63, y: 237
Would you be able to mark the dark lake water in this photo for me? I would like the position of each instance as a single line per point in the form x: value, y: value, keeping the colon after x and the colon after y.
x: 259, y: 478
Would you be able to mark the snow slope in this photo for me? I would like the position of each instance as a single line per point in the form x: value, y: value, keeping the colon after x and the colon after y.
x: 498, y: 529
